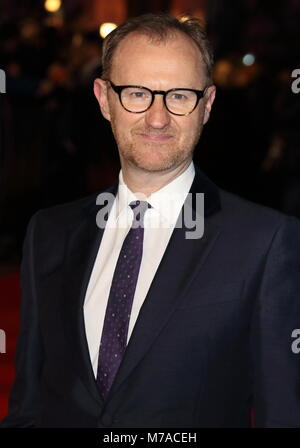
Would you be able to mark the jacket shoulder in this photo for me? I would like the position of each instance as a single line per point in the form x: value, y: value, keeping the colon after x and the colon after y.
x: 243, y: 210
x: 253, y: 222
x: 67, y: 214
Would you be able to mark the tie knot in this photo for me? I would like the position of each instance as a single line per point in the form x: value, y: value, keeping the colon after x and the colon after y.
x: 139, y: 209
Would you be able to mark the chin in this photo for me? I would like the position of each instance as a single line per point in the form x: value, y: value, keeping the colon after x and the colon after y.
x: 153, y: 157
x: 155, y: 164
x: 153, y: 167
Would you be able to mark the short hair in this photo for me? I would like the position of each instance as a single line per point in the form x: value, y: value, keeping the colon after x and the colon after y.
x: 158, y: 27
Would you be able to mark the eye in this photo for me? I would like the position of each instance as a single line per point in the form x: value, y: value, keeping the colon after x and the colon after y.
x: 137, y: 94
x: 178, y: 97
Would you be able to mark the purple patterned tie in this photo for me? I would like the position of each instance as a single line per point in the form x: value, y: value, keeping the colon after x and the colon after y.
x: 116, y: 322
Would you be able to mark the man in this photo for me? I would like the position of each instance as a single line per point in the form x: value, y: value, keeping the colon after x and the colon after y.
x: 130, y: 324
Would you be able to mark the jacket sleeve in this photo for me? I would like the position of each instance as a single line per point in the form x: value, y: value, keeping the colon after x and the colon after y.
x: 276, y: 363
x: 24, y: 396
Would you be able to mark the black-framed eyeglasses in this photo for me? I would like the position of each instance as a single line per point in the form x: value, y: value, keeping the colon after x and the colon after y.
x: 138, y: 99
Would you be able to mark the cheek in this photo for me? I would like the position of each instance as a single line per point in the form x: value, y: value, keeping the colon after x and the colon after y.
x: 122, y: 121
x: 191, y: 127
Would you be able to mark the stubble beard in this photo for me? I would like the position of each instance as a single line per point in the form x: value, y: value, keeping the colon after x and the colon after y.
x: 155, y: 157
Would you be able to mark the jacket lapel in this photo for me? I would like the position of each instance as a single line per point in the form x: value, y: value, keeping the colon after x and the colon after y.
x: 83, y: 243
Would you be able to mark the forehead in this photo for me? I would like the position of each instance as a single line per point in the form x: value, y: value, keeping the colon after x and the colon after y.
x: 138, y: 59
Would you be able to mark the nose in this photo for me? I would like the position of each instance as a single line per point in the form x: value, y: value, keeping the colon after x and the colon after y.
x: 157, y: 116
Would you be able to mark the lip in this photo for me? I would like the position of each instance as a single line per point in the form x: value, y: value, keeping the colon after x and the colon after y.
x: 156, y: 137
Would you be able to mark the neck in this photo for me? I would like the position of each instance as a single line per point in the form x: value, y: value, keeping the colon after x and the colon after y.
x: 147, y: 182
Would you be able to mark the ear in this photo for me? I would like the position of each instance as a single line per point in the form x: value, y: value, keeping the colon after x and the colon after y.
x: 210, y: 97
x: 100, y: 91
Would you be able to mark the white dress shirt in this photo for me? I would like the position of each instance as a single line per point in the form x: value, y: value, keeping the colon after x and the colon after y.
x: 159, y: 223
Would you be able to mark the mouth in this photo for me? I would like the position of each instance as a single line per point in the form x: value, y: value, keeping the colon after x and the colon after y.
x: 159, y: 138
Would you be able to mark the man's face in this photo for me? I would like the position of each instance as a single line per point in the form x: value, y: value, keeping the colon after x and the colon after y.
x: 155, y: 140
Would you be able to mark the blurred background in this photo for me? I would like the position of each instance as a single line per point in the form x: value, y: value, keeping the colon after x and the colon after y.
x: 55, y: 146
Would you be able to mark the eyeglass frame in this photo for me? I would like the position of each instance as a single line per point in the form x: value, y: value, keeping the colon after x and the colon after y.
x: 118, y: 89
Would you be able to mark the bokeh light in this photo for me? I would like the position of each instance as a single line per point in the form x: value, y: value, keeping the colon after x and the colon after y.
x: 248, y: 59
x: 106, y: 28
x: 52, y: 5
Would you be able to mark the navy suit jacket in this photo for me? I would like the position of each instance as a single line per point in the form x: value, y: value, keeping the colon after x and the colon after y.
x: 213, y: 338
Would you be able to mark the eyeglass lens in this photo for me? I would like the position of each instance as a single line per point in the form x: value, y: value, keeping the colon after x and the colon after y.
x: 179, y: 101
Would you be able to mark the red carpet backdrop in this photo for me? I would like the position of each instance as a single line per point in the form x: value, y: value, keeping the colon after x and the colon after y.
x: 9, y: 322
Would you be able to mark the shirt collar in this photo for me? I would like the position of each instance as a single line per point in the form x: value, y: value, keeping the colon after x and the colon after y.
x: 167, y: 201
